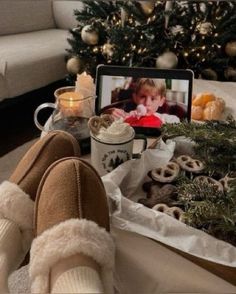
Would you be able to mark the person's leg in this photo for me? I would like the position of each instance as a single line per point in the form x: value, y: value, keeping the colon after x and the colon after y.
x: 17, y: 197
x: 9, y: 236
x: 78, y: 273
x: 73, y: 251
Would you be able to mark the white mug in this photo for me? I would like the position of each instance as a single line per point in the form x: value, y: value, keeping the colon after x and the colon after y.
x: 107, y: 156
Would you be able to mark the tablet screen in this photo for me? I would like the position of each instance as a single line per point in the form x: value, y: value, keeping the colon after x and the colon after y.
x: 144, y: 97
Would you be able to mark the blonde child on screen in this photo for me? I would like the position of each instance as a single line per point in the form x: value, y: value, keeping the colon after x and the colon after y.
x: 148, y: 96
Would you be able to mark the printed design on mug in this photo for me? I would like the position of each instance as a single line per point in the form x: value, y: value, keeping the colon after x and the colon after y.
x: 113, y: 158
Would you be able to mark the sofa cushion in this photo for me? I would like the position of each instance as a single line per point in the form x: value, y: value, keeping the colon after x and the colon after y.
x: 19, y: 16
x: 63, y: 12
x: 32, y: 60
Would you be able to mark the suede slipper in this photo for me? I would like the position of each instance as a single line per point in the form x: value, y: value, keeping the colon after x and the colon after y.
x: 18, y: 194
x: 29, y: 171
x: 71, y: 217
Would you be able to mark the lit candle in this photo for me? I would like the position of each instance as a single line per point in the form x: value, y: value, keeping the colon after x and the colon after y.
x: 70, y: 103
x: 85, y: 85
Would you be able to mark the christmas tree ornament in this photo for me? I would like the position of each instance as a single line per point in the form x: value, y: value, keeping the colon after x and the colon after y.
x: 108, y: 49
x: 204, y: 28
x: 123, y: 16
x: 167, y: 60
x: 230, y: 74
x: 168, y: 9
x: 89, y: 35
x: 147, y: 7
x: 191, y: 30
x: 74, y: 65
x: 76, y: 29
x: 209, y: 74
x: 230, y: 49
x: 178, y: 29
x: 203, y: 7
x: 193, y: 37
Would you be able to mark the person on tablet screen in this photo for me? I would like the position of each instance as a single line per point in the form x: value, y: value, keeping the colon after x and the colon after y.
x: 148, y: 96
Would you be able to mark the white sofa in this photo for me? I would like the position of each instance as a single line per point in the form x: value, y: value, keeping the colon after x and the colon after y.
x: 33, y: 42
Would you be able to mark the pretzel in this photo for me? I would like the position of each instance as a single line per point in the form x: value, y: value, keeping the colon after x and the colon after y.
x: 174, y: 211
x: 189, y: 164
x: 210, y: 181
x: 162, y: 207
x: 147, y: 185
x: 106, y: 120
x: 165, y: 174
x: 225, y: 182
x: 155, y: 195
x: 94, y: 124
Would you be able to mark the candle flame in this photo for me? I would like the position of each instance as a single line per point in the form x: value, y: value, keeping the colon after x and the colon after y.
x: 71, y: 102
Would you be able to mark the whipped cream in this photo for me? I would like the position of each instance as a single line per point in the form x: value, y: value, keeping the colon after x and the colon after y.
x: 141, y: 110
x: 117, y: 132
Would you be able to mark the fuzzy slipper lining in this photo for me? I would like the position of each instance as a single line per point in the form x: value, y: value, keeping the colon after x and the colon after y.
x: 16, y: 206
x: 65, y: 239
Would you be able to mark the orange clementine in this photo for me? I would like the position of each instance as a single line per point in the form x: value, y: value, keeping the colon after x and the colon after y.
x: 202, y: 99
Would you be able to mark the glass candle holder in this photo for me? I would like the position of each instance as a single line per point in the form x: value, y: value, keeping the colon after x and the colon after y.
x: 71, y: 113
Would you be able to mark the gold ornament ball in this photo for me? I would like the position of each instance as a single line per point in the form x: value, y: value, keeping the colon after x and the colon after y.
x: 107, y: 49
x: 205, y: 28
x: 167, y: 60
x: 230, y: 49
x: 147, y: 7
x: 209, y: 74
x: 89, y: 35
x: 73, y: 65
x: 230, y: 74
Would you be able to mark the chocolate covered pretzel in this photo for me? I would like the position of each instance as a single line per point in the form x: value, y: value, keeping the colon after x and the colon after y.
x: 173, y: 211
x: 209, y: 181
x: 96, y: 122
x: 190, y: 164
x: 165, y: 174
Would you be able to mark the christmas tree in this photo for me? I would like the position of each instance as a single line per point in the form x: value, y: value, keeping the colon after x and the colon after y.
x: 199, y: 35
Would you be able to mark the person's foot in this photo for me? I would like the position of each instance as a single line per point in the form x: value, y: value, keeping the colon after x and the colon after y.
x: 30, y: 169
x: 18, y: 194
x: 71, y: 225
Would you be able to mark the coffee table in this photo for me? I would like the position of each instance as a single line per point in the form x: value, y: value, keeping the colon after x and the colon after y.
x: 145, y: 266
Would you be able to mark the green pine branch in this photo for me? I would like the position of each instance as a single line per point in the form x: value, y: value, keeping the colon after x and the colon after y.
x: 215, y: 142
x: 194, y: 49
x: 210, y: 210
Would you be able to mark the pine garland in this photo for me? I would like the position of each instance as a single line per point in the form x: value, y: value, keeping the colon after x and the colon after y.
x: 206, y: 207
x: 215, y: 143
x: 209, y: 209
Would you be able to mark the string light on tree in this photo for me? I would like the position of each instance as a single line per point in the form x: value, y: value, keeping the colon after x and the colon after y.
x: 96, y: 49
x: 142, y: 33
x: 108, y: 49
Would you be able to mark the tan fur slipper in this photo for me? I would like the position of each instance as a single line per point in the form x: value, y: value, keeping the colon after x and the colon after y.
x: 41, y: 155
x: 71, y: 216
x: 18, y: 194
